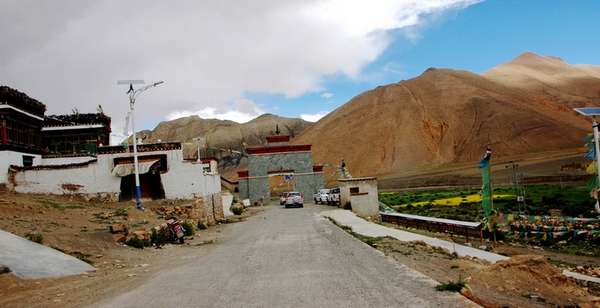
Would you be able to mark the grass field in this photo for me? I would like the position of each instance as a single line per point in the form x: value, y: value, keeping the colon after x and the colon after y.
x: 570, y: 200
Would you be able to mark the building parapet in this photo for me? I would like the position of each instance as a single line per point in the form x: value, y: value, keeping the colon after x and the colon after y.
x: 278, y: 149
x: 163, y: 146
x: 51, y: 167
x: 357, y: 180
x: 21, y: 101
x: 278, y: 138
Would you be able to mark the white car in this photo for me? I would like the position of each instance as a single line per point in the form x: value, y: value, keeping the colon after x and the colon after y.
x: 294, y: 198
x: 334, y: 196
x: 283, y: 197
x: 321, y: 196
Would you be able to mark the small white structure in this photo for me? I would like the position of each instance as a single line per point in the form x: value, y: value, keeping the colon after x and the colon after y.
x: 362, y: 195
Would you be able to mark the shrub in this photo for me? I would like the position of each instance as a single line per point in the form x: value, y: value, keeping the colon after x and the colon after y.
x: 136, y: 242
x: 189, y: 229
x: 202, y: 226
x: 348, y: 205
x: 237, y: 210
x: 371, y: 242
x: 35, y: 237
x: 158, y: 238
x: 451, y: 286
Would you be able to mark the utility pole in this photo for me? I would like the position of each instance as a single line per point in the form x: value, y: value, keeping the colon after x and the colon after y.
x: 523, y: 193
x: 518, y: 195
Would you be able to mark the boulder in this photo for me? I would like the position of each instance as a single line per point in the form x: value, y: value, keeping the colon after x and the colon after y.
x: 118, y: 228
x: 119, y: 238
x: 466, y: 291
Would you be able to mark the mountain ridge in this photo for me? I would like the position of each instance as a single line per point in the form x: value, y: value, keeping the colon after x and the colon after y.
x: 440, y: 117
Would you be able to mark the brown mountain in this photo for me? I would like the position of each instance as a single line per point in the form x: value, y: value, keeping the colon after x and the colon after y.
x: 446, y: 116
x: 220, y: 136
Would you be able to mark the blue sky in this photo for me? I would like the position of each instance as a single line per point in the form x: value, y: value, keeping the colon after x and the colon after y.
x: 237, y: 60
x: 476, y: 39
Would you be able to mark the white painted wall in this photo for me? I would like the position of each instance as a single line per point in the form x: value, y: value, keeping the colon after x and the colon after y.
x: 182, y: 180
x: 365, y: 202
x: 67, y: 160
x: 227, y: 201
x: 8, y: 158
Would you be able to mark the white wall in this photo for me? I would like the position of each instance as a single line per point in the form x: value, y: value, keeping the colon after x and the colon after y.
x: 67, y: 160
x: 8, y: 158
x: 365, y: 202
x: 183, y: 179
x: 91, y: 179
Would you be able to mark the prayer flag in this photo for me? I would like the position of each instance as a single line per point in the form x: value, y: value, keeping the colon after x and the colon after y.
x: 486, y: 190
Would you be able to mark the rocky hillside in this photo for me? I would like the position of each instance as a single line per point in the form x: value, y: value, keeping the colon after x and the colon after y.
x: 220, y: 136
x: 446, y: 116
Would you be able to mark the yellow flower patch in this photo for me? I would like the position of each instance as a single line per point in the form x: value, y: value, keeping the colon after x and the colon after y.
x: 456, y: 201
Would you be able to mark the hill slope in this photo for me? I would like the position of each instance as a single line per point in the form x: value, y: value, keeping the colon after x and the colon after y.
x: 220, y: 136
x: 446, y: 116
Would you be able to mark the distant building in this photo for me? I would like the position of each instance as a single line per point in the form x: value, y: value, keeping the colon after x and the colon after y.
x: 70, y: 154
x: 289, y: 163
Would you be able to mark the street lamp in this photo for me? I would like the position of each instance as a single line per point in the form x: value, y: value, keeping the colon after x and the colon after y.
x: 132, y: 95
x: 200, y: 140
x: 593, y: 112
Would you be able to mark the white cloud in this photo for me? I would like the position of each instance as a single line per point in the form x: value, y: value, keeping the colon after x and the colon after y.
x: 243, y: 111
x: 314, y: 117
x: 327, y: 95
x: 209, y: 53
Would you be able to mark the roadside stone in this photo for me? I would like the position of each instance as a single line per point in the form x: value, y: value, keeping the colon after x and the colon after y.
x: 118, y: 228
x: 467, y: 292
x: 561, y: 277
x: 119, y: 238
x: 141, y: 234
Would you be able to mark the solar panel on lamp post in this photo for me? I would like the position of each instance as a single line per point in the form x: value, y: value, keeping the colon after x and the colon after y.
x: 593, y: 112
x: 132, y: 95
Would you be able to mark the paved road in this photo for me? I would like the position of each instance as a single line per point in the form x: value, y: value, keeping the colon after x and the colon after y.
x: 288, y: 258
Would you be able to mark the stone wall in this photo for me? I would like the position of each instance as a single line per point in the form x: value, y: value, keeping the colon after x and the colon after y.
x: 256, y: 186
x: 208, y: 210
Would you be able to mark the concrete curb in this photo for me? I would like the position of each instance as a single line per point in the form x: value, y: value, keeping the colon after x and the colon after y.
x: 366, y: 228
x: 29, y: 260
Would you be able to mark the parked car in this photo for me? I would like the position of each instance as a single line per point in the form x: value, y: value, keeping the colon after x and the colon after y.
x: 321, y: 196
x: 283, y: 197
x: 334, y: 196
x: 294, y: 198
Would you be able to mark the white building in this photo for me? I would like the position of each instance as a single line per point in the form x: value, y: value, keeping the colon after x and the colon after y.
x: 65, y: 155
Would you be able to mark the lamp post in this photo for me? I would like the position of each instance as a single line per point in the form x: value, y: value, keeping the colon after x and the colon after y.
x: 132, y: 95
x: 200, y: 140
x: 593, y: 112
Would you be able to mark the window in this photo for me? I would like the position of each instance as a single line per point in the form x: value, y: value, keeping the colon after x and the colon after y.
x: 28, y: 160
x: 354, y: 190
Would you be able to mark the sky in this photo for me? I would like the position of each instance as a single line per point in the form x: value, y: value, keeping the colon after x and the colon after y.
x: 237, y: 60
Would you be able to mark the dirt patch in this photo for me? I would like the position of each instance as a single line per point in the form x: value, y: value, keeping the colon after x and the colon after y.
x: 529, y: 279
x: 81, y: 229
x: 532, y: 278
